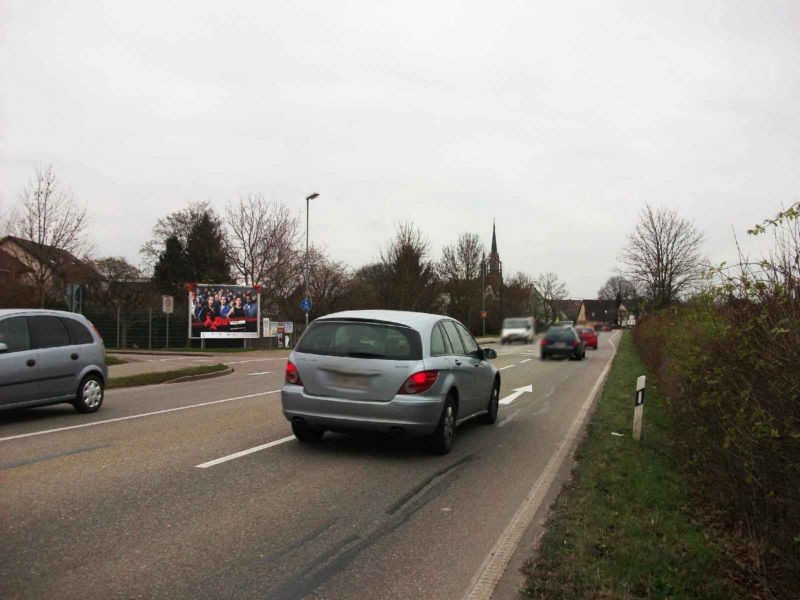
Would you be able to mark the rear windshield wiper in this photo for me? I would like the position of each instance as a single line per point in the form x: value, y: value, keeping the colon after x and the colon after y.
x: 365, y: 355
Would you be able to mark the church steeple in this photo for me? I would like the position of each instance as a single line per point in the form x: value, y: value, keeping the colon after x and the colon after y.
x: 494, y: 274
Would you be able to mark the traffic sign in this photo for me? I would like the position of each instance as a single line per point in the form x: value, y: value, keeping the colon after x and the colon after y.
x: 167, y: 304
x: 305, y: 304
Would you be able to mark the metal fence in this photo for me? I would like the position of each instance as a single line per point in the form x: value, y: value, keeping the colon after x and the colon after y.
x: 150, y: 329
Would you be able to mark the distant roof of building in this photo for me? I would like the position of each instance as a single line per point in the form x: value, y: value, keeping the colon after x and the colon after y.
x: 570, y: 308
x: 600, y: 310
x: 72, y: 266
x: 10, y: 263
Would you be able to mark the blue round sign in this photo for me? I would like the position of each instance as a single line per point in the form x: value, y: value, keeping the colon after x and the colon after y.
x: 305, y: 304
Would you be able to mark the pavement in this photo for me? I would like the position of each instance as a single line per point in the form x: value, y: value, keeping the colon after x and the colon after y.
x: 199, y: 490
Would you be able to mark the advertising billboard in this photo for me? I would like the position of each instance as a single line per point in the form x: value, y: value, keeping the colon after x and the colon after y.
x: 224, y: 311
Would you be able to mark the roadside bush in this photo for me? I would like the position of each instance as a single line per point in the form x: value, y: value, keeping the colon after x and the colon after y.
x: 729, y: 362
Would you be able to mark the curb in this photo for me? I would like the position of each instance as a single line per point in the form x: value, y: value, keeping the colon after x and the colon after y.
x: 200, y: 377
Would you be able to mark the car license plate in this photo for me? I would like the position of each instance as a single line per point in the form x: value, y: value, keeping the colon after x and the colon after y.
x: 560, y: 345
x: 351, y: 382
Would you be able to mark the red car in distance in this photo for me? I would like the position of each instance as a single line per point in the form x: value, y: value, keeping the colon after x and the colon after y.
x: 588, y: 336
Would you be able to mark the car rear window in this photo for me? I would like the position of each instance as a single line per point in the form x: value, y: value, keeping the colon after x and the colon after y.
x: 560, y: 334
x: 361, y: 339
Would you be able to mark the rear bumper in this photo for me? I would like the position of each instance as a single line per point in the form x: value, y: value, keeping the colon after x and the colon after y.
x: 560, y: 351
x: 516, y: 337
x: 414, y: 415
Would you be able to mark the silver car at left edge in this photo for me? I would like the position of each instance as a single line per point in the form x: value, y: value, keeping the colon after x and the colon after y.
x: 48, y: 357
x: 403, y: 373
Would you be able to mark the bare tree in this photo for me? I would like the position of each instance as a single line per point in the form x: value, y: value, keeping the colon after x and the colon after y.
x: 328, y: 283
x: 125, y: 289
x: 550, y: 290
x: 55, y: 225
x: 460, y: 270
x: 264, y: 246
x: 521, y: 295
x: 663, y: 255
x: 617, y: 288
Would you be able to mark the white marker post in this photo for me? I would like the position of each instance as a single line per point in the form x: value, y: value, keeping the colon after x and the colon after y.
x: 638, y: 408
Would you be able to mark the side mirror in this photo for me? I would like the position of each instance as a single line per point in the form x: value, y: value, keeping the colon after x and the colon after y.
x: 489, y: 353
x: 3, y: 348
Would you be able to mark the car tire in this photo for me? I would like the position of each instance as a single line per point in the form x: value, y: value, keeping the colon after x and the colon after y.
x: 490, y: 417
x: 543, y: 356
x: 306, y: 434
x: 90, y: 394
x: 441, y: 441
x: 595, y: 346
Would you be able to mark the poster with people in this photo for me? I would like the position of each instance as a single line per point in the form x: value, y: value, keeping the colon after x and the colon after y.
x: 224, y: 311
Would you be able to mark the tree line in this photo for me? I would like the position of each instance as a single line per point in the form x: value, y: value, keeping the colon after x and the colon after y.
x: 259, y: 241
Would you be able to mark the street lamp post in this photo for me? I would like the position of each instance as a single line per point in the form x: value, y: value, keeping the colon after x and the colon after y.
x: 483, y: 293
x: 305, y: 271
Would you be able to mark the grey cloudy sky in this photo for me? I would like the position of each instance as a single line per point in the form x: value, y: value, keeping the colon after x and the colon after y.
x: 560, y: 119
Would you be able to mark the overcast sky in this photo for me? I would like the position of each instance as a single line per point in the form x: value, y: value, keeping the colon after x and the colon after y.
x: 559, y: 119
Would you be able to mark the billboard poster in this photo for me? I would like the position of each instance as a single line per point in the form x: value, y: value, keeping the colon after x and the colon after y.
x: 220, y: 311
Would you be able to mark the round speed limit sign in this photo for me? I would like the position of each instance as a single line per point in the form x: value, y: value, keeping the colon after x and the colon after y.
x: 167, y: 304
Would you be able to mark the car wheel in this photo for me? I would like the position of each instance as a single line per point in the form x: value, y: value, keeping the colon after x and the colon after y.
x: 90, y: 394
x: 494, y: 405
x: 543, y: 357
x: 306, y: 434
x: 442, y: 439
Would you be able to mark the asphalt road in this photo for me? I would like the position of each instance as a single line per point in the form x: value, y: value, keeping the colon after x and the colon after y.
x: 115, y: 504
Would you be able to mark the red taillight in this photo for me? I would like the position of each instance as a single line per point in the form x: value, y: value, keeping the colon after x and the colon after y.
x: 544, y: 342
x: 576, y: 343
x: 419, y: 382
x: 292, y: 376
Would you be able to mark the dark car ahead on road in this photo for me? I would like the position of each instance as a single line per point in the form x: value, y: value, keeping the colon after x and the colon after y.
x: 588, y: 336
x: 391, y: 371
x: 562, y: 341
x: 49, y: 357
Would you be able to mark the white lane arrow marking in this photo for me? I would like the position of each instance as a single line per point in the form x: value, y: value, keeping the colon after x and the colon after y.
x: 517, y: 393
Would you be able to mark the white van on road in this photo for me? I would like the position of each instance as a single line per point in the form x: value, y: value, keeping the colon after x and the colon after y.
x: 518, y: 329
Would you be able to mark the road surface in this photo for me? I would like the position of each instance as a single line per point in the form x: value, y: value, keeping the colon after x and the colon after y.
x: 199, y: 490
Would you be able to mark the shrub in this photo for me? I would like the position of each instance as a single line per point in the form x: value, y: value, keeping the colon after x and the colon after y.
x: 729, y: 362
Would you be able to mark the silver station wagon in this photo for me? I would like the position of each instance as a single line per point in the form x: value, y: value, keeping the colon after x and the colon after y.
x: 402, y: 373
x: 50, y: 356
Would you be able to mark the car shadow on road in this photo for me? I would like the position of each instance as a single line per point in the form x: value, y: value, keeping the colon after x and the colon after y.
x: 365, y: 444
x: 31, y: 415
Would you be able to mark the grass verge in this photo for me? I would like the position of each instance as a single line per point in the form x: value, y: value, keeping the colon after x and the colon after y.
x: 162, y: 376
x: 623, y: 527
x: 113, y: 360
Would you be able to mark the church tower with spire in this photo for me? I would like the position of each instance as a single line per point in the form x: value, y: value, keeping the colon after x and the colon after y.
x: 494, y: 271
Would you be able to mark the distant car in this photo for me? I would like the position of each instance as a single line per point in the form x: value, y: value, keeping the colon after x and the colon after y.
x: 49, y: 357
x: 562, y: 341
x: 519, y: 329
x: 391, y: 371
x: 588, y: 336
x: 566, y: 323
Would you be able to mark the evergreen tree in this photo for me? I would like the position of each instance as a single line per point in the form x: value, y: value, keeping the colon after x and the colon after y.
x: 207, y: 252
x: 170, y: 270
